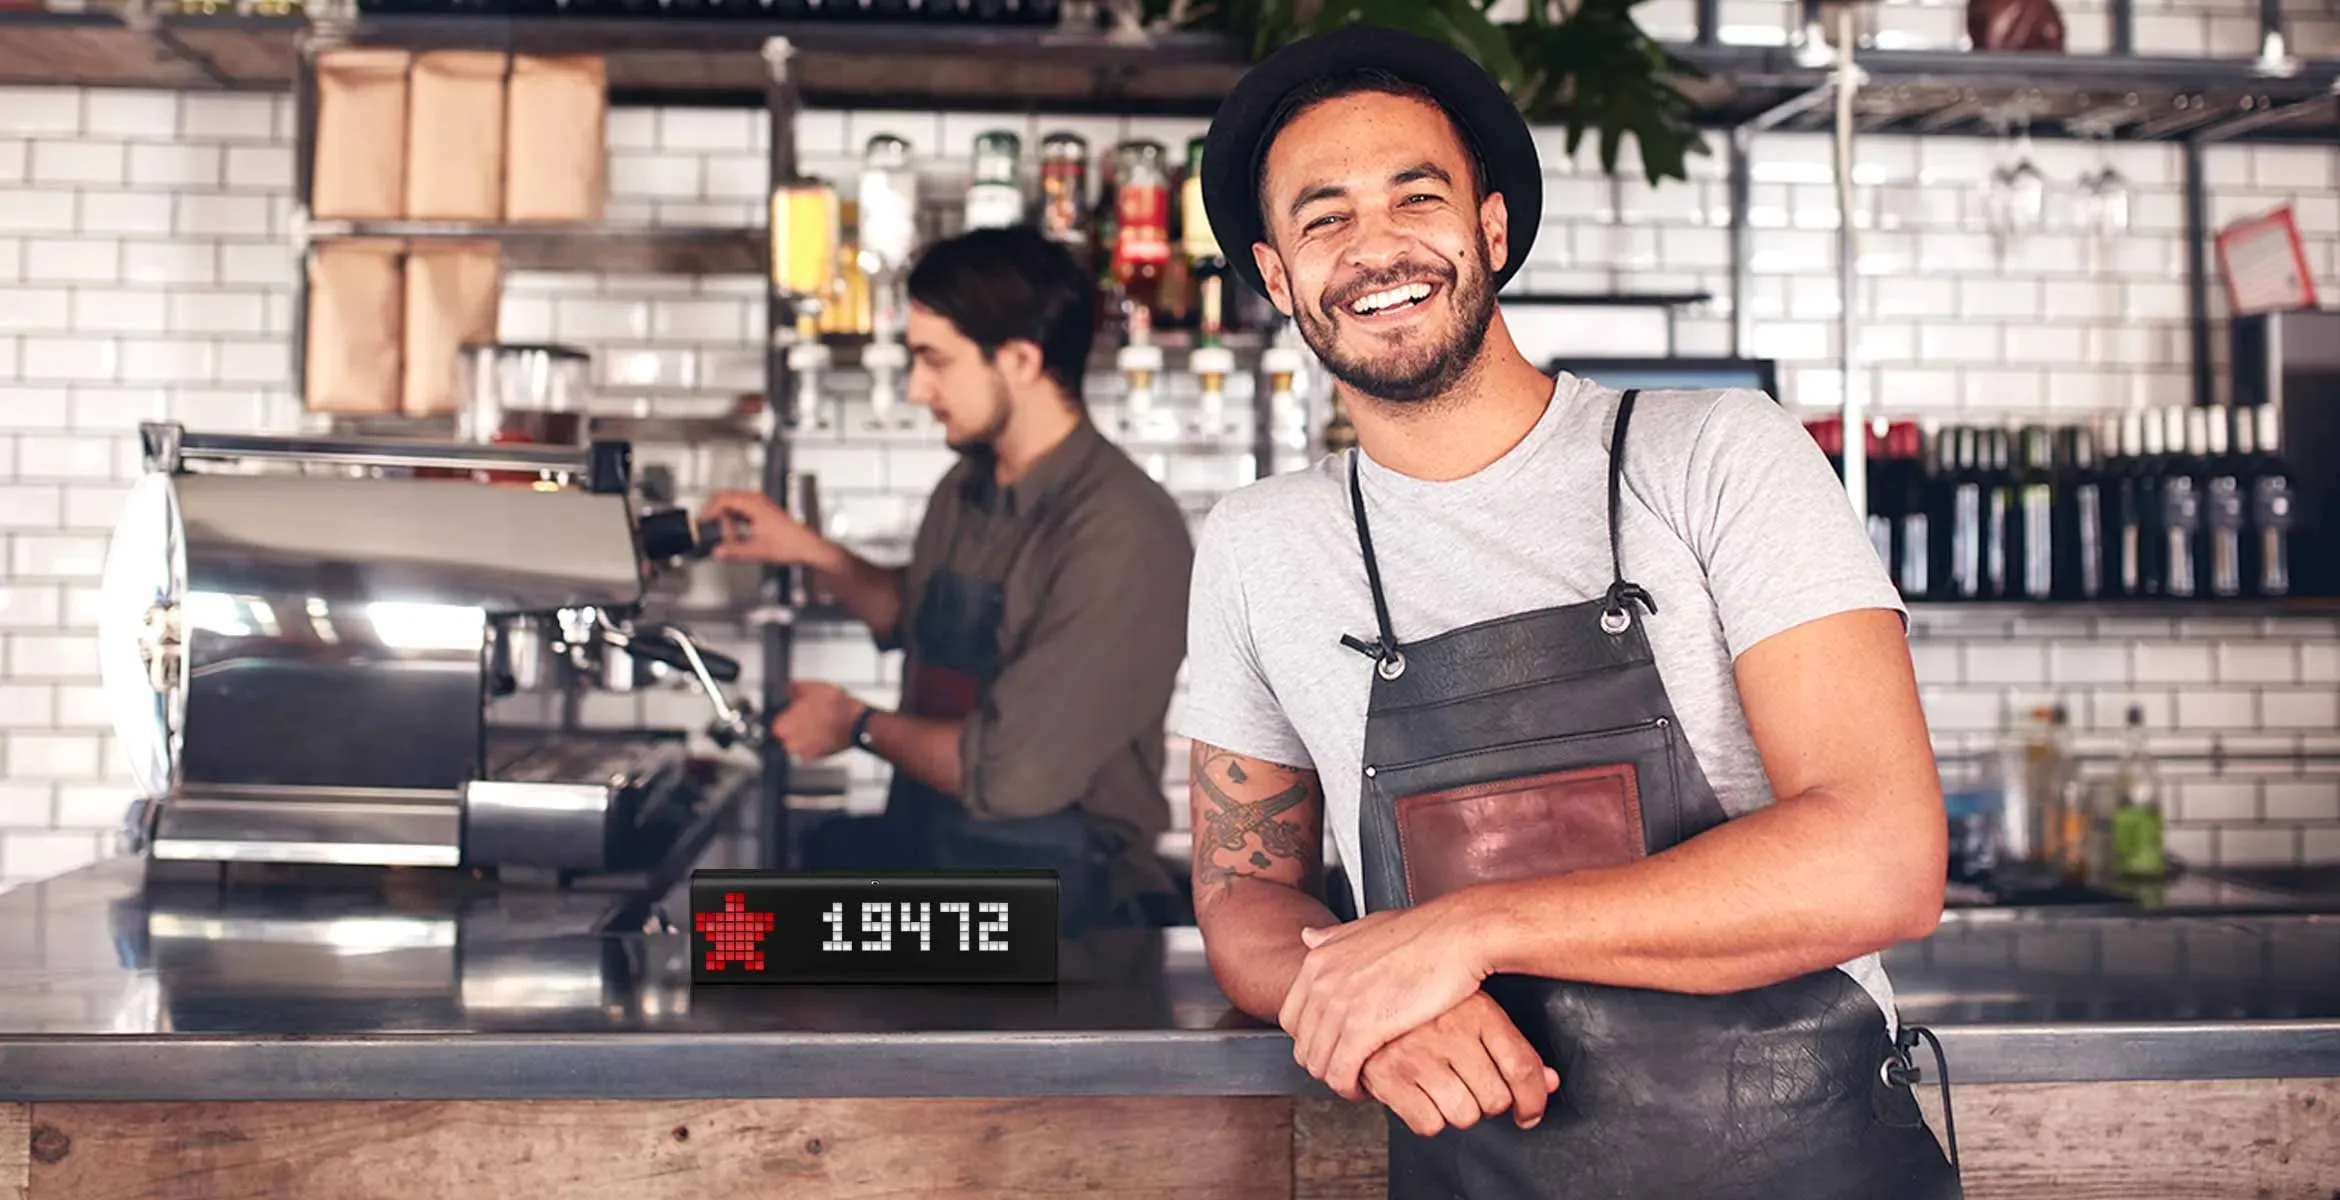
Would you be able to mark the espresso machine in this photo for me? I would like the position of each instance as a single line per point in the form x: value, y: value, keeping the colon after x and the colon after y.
x: 306, y: 642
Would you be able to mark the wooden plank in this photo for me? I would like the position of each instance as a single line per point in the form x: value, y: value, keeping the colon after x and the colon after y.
x: 1340, y: 1150
x: 2205, y: 1140
x: 15, y: 1150
x: 2245, y: 1139
x: 1142, y: 1148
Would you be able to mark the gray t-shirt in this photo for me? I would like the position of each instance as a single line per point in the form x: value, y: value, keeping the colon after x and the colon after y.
x: 1732, y: 520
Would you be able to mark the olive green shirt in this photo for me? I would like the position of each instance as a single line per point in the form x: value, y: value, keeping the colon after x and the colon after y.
x: 1093, y: 557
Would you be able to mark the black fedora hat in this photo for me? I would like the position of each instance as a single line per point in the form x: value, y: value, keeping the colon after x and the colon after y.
x: 1234, y: 153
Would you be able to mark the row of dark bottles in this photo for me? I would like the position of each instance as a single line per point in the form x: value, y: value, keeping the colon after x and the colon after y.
x: 2180, y: 503
x: 986, y: 12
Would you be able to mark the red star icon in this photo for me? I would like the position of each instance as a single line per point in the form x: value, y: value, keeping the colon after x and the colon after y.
x: 734, y: 935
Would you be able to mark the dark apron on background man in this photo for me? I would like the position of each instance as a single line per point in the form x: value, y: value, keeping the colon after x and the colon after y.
x: 1542, y: 743
x: 954, y: 657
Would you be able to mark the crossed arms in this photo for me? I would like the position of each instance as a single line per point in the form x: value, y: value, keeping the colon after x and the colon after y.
x: 1846, y: 862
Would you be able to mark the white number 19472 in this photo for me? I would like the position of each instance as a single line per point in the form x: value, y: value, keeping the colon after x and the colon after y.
x: 879, y: 923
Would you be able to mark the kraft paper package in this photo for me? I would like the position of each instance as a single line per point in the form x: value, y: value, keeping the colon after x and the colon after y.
x: 357, y: 309
x: 556, y: 118
x: 452, y: 294
x: 455, y: 136
x: 360, y: 170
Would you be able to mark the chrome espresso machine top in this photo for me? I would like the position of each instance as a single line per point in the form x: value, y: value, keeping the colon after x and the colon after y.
x: 303, y: 641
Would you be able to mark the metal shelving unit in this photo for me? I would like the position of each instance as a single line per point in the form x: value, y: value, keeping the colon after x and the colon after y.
x: 785, y: 67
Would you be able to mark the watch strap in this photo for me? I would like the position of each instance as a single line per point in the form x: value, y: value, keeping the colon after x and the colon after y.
x: 861, y: 728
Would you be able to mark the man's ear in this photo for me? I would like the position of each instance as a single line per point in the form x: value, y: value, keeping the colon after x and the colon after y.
x: 1271, y: 273
x: 1495, y: 226
x: 1020, y: 361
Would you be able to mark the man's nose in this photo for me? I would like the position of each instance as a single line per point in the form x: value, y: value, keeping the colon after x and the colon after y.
x: 1376, y: 242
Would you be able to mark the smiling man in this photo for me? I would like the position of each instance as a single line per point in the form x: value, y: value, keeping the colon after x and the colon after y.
x: 1604, y: 696
x: 1042, y: 614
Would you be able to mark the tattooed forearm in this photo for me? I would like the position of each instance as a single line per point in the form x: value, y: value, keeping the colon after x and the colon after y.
x: 1255, y: 820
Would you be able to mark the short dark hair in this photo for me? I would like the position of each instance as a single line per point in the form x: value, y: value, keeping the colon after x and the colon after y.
x: 1359, y: 81
x: 999, y: 285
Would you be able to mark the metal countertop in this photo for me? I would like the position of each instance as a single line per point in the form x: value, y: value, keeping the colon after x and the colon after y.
x: 112, y: 990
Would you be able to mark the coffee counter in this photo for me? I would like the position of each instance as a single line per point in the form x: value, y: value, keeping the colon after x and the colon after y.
x: 114, y: 997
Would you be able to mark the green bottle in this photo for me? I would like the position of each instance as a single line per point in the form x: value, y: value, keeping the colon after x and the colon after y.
x: 2136, y: 819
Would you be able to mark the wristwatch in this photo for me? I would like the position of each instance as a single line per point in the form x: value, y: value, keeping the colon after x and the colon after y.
x: 861, y: 730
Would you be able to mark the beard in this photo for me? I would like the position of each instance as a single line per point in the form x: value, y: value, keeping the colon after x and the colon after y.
x: 981, y: 441
x: 1410, y: 374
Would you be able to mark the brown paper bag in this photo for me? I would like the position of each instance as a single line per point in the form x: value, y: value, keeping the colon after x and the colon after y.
x: 356, y: 312
x: 452, y: 292
x: 556, y: 118
x: 360, y: 172
x: 455, y: 137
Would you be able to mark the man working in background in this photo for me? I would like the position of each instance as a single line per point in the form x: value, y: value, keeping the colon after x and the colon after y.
x: 1042, y: 613
x: 1618, y: 734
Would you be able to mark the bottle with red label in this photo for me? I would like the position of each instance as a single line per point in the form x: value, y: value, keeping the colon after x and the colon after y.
x: 1141, y: 235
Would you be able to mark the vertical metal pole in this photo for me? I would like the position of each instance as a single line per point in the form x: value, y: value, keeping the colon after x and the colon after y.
x: 1742, y: 191
x: 1856, y: 438
x: 777, y: 618
x: 2124, y: 27
x: 2198, y: 271
x: 305, y: 52
x: 1709, y: 21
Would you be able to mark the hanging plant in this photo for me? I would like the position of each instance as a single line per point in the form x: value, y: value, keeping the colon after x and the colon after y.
x: 1587, y: 66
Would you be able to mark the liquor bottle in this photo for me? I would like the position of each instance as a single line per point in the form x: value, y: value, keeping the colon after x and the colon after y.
x: 2181, y: 507
x: 1884, y: 514
x: 996, y: 199
x: 2223, y: 515
x: 2031, y: 542
x: 2080, y: 517
x: 1064, y: 193
x: 1913, y: 537
x: 1999, y: 531
x: 2136, y: 818
x: 1207, y: 262
x: 2152, y: 519
x: 1174, y: 304
x: 2124, y: 512
x: 1966, y: 518
x: 1141, y: 234
x: 1198, y: 247
x: 1941, y: 507
x: 2270, y: 508
x: 1104, y: 221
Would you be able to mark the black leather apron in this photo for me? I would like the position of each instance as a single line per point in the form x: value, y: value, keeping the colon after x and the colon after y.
x: 1542, y: 743
x: 954, y: 659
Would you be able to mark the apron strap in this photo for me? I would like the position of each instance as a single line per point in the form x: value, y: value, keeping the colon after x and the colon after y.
x: 1615, y: 617
x: 1393, y: 664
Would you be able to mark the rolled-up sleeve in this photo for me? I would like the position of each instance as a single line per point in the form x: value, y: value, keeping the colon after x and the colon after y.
x: 1094, y: 673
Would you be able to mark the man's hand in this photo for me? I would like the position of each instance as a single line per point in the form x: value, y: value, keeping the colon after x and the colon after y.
x: 818, y: 721
x: 756, y: 530
x: 1368, y: 981
x: 1468, y: 1062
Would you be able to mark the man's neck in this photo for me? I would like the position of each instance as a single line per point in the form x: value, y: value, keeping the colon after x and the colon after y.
x: 1035, y: 430
x: 1461, y: 433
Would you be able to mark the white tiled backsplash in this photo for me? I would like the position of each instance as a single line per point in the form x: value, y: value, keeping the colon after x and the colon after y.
x: 146, y: 271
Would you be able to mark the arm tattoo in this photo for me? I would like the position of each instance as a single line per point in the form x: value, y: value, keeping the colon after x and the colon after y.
x: 1246, y: 826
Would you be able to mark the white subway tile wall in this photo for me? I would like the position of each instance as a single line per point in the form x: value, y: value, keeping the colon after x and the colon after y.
x: 144, y: 274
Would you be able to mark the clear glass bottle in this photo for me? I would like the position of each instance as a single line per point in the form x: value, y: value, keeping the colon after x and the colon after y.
x: 2137, y: 835
x: 1064, y: 192
x: 996, y: 199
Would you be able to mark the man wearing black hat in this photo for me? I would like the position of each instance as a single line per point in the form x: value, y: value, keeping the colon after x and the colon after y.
x: 1604, y: 696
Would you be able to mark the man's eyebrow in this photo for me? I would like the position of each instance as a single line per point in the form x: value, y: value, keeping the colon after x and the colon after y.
x: 1421, y: 171
x: 1310, y: 195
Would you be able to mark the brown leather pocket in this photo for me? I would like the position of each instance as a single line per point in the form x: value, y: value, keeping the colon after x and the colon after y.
x: 1524, y: 828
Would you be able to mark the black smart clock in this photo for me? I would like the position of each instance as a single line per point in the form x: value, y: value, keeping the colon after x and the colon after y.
x: 939, y: 927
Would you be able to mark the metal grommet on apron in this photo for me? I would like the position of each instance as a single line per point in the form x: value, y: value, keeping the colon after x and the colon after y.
x: 1544, y: 742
